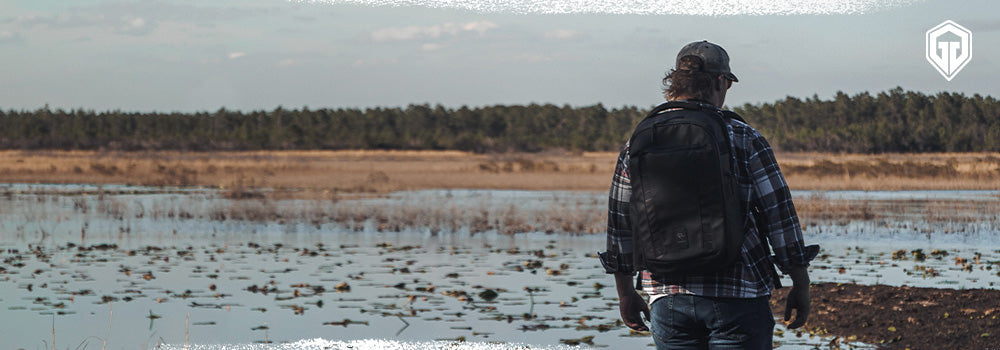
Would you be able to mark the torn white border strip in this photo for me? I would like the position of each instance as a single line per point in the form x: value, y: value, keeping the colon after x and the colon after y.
x: 370, y: 344
x: 645, y: 7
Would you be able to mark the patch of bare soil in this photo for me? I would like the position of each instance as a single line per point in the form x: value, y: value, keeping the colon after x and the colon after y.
x: 902, y: 317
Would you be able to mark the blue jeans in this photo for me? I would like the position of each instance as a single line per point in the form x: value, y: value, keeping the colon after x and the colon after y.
x: 682, y: 321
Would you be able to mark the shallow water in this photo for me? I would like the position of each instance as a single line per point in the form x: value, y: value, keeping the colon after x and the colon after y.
x: 158, y: 267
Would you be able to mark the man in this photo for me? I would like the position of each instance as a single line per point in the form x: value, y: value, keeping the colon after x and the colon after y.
x: 729, y: 307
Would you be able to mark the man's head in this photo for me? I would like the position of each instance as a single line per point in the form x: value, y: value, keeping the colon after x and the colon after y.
x: 701, y: 72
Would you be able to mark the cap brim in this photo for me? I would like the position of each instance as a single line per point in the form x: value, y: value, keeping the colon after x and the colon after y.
x: 732, y: 77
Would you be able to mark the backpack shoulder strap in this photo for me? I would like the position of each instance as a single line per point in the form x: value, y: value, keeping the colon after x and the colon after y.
x: 693, y: 106
x: 733, y: 115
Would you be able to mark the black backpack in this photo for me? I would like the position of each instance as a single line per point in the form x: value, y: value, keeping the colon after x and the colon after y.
x: 687, y: 217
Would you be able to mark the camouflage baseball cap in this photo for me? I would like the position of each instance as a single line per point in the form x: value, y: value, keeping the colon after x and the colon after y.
x: 715, y: 58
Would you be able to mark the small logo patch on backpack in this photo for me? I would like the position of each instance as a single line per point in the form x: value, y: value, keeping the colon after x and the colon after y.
x: 681, y: 237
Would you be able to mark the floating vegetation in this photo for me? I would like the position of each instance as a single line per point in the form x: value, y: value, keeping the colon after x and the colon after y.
x: 298, y: 280
x: 346, y: 322
x: 588, y: 340
x: 488, y: 295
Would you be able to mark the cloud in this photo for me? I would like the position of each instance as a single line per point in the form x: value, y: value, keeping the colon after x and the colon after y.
x: 7, y: 37
x: 137, y: 18
x: 235, y: 55
x: 562, y: 34
x: 68, y: 20
x: 479, y: 27
x: 430, y: 32
x: 134, y: 26
x: 431, y: 47
x: 121, y: 22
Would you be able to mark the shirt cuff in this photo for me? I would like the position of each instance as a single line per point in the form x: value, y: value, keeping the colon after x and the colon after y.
x: 616, y: 263
x: 811, y: 251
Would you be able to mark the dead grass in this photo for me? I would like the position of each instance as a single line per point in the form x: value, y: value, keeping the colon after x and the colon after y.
x: 323, y: 174
x: 925, y: 216
x: 441, y: 214
x: 891, y: 172
x: 312, y: 174
x: 565, y: 215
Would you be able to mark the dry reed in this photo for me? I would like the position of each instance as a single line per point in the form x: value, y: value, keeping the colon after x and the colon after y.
x: 891, y: 172
x: 442, y: 214
x: 256, y: 185
x: 321, y: 174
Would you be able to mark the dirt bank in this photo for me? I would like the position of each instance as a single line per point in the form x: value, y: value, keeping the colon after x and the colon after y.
x: 903, y: 317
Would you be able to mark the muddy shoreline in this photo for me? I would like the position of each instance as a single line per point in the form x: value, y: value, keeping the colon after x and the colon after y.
x: 901, y: 317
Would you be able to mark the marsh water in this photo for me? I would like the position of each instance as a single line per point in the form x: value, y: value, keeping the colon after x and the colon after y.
x: 137, y: 267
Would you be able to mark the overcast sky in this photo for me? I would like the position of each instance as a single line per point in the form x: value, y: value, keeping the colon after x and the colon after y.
x: 190, y: 55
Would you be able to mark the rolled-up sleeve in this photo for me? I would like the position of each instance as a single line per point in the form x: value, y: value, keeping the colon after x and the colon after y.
x: 618, y: 257
x: 776, y: 212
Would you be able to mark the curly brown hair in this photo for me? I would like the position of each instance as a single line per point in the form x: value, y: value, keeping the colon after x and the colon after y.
x: 688, y: 80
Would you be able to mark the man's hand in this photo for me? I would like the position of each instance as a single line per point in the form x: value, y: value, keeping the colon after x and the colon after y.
x: 630, y: 304
x: 798, y: 298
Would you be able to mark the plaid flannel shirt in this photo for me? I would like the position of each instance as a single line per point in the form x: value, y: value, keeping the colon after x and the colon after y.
x: 763, y: 188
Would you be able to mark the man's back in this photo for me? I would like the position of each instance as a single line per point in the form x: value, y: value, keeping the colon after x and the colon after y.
x: 680, y: 304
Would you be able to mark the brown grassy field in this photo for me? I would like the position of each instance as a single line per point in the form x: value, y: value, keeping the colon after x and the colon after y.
x: 931, y: 171
x: 322, y: 173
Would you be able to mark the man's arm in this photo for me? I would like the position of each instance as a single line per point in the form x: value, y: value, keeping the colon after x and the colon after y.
x: 618, y: 257
x: 781, y: 225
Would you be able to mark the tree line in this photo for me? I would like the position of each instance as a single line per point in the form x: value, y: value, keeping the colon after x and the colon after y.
x: 892, y: 121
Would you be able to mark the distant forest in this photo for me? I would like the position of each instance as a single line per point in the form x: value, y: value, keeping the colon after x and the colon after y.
x: 892, y: 121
